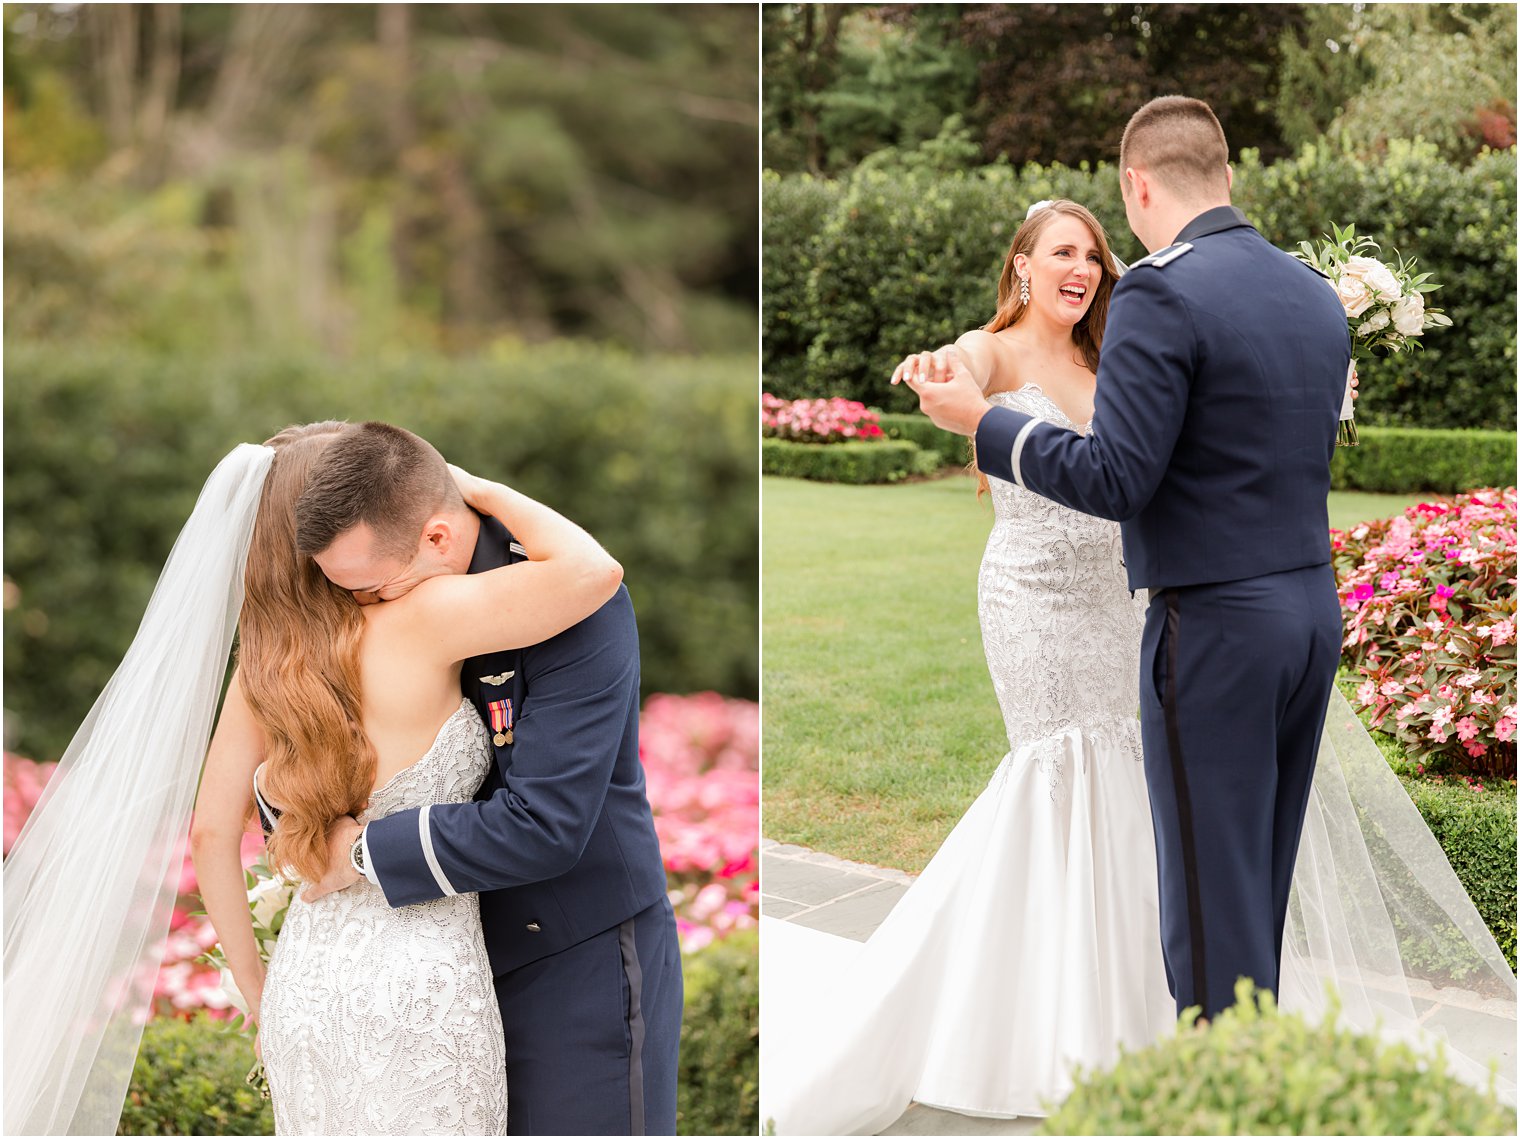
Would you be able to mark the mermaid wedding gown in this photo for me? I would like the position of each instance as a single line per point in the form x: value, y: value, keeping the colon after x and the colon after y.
x: 1030, y: 944
x: 381, y: 1021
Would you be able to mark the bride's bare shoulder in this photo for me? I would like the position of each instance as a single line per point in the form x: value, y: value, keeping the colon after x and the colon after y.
x: 993, y: 357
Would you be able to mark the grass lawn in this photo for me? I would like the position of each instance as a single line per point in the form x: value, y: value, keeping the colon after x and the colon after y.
x: 880, y: 723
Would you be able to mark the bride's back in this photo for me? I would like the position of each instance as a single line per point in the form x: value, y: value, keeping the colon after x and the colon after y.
x: 407, y: 696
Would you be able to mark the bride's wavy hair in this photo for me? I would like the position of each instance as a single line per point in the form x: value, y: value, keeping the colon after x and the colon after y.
x: 298, y: 661
x: 1087, y: 333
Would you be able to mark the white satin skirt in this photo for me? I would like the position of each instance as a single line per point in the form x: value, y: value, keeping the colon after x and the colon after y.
x: 1029, y: 945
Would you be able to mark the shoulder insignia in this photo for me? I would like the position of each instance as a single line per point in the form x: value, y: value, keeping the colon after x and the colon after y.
x: 1164, y: 257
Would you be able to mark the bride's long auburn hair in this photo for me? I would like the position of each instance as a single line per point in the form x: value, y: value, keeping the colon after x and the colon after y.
x: 298, y: 662
x: 1087, y: 333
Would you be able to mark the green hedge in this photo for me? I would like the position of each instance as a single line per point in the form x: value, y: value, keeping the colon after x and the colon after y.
x: 188, y: 1079
x: 888, y: 261
x: 1259, y: 1071
x: 1476, y: 830
x: 106, y: 449
x: 952, y: 450
x: 1399, y: 460
x: 876, y: 462
x: 719, y: 1089
x: 1460, y: 224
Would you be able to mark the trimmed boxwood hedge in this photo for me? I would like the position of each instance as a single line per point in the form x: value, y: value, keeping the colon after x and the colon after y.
x: 892, y: 260
x: 1256, y: 1070
x: 1476, y: 830
x: 952, y: 450
x: 1402, y: 460
x: 880, y: 461
x: 189, y: 1080
x: 718, y: 1092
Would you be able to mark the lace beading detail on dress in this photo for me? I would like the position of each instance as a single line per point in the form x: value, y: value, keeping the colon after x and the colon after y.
x: 382, y: 1021
x: 1061, y: 633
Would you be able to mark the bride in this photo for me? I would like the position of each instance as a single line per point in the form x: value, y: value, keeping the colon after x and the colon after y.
x: 1031, y: 941
x: 372, y: 1020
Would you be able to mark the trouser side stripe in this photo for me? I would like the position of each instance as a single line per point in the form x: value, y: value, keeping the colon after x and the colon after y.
x: 1184, y: 802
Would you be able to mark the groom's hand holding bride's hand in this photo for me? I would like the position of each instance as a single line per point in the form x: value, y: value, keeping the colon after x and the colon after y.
x: 340, y: 870
x: 955, y: 401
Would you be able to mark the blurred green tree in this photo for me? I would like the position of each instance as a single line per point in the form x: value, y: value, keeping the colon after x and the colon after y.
x: 433, y: 175
x: 1441, y: 72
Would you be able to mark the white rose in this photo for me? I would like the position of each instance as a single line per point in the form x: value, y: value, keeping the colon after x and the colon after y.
x: 1374, y: 323
x: 1377, y: 276
x: 1409, y: 315
x: 1354, y: 295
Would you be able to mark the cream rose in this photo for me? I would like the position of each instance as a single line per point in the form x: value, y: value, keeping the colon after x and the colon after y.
x: 1409, y: 315
x: 1376, y: 276
x: 1355, y: 297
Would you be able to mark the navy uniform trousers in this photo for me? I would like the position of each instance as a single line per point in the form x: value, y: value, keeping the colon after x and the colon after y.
x: 606, y: 1012
x: 1235, y: 679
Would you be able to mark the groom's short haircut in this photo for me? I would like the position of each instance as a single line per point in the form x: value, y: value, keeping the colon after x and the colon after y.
x: 1179, y: 143
x: 380, y: 475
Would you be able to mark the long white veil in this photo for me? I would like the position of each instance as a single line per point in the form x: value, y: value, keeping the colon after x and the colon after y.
x: 1377, y: 911
x: 91, y: 880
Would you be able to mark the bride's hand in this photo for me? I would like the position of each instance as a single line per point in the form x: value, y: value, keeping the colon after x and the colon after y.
x: 928, y: 367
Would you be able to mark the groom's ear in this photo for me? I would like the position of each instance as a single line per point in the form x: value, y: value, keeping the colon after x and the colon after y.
x: 438, y: 534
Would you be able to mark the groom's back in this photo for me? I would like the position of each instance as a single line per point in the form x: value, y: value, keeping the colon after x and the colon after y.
x: 1245, y: 490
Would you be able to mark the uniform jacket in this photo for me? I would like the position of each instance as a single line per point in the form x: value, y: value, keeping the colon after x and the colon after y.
x: 1219, y: 390
x: 559, y: 841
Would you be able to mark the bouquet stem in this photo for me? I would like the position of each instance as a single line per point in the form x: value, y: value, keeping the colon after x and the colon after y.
x: 1345, y: 435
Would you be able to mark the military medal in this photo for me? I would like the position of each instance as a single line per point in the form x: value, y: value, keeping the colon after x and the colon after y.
x: 501, y: 721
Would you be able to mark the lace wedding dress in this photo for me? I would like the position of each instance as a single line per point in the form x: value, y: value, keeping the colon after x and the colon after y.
x: 1031, y: 941
x: 381, y: 1021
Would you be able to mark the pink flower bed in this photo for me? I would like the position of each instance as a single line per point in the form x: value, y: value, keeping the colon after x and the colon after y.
x: 701, y: 756
x: 1428, y: 600
x: 817, y: 420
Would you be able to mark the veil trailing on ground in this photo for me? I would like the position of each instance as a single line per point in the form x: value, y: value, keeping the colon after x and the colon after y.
x: 91, y: 880
x: 1377, y: 912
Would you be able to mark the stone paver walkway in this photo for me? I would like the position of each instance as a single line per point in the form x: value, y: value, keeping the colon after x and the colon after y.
x: 851, y: 899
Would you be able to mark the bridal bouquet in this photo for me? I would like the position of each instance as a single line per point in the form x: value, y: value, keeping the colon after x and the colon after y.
x: 269, y: 898
x: 1385, y: 304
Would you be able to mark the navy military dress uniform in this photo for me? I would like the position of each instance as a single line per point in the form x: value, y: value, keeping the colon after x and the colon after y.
x: 1223, y: 367
x: 561, y: 846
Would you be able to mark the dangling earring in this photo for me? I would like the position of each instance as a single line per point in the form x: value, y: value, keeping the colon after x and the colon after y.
x: 1024, y: 290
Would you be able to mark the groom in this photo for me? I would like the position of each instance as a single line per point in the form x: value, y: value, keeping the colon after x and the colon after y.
x: 1223, y: 367
x: 559, y: 842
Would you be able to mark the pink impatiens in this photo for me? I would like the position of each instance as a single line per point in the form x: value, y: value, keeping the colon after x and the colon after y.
x: 1428, y: 600
x: 817, y: 420
x: 701, y: 758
